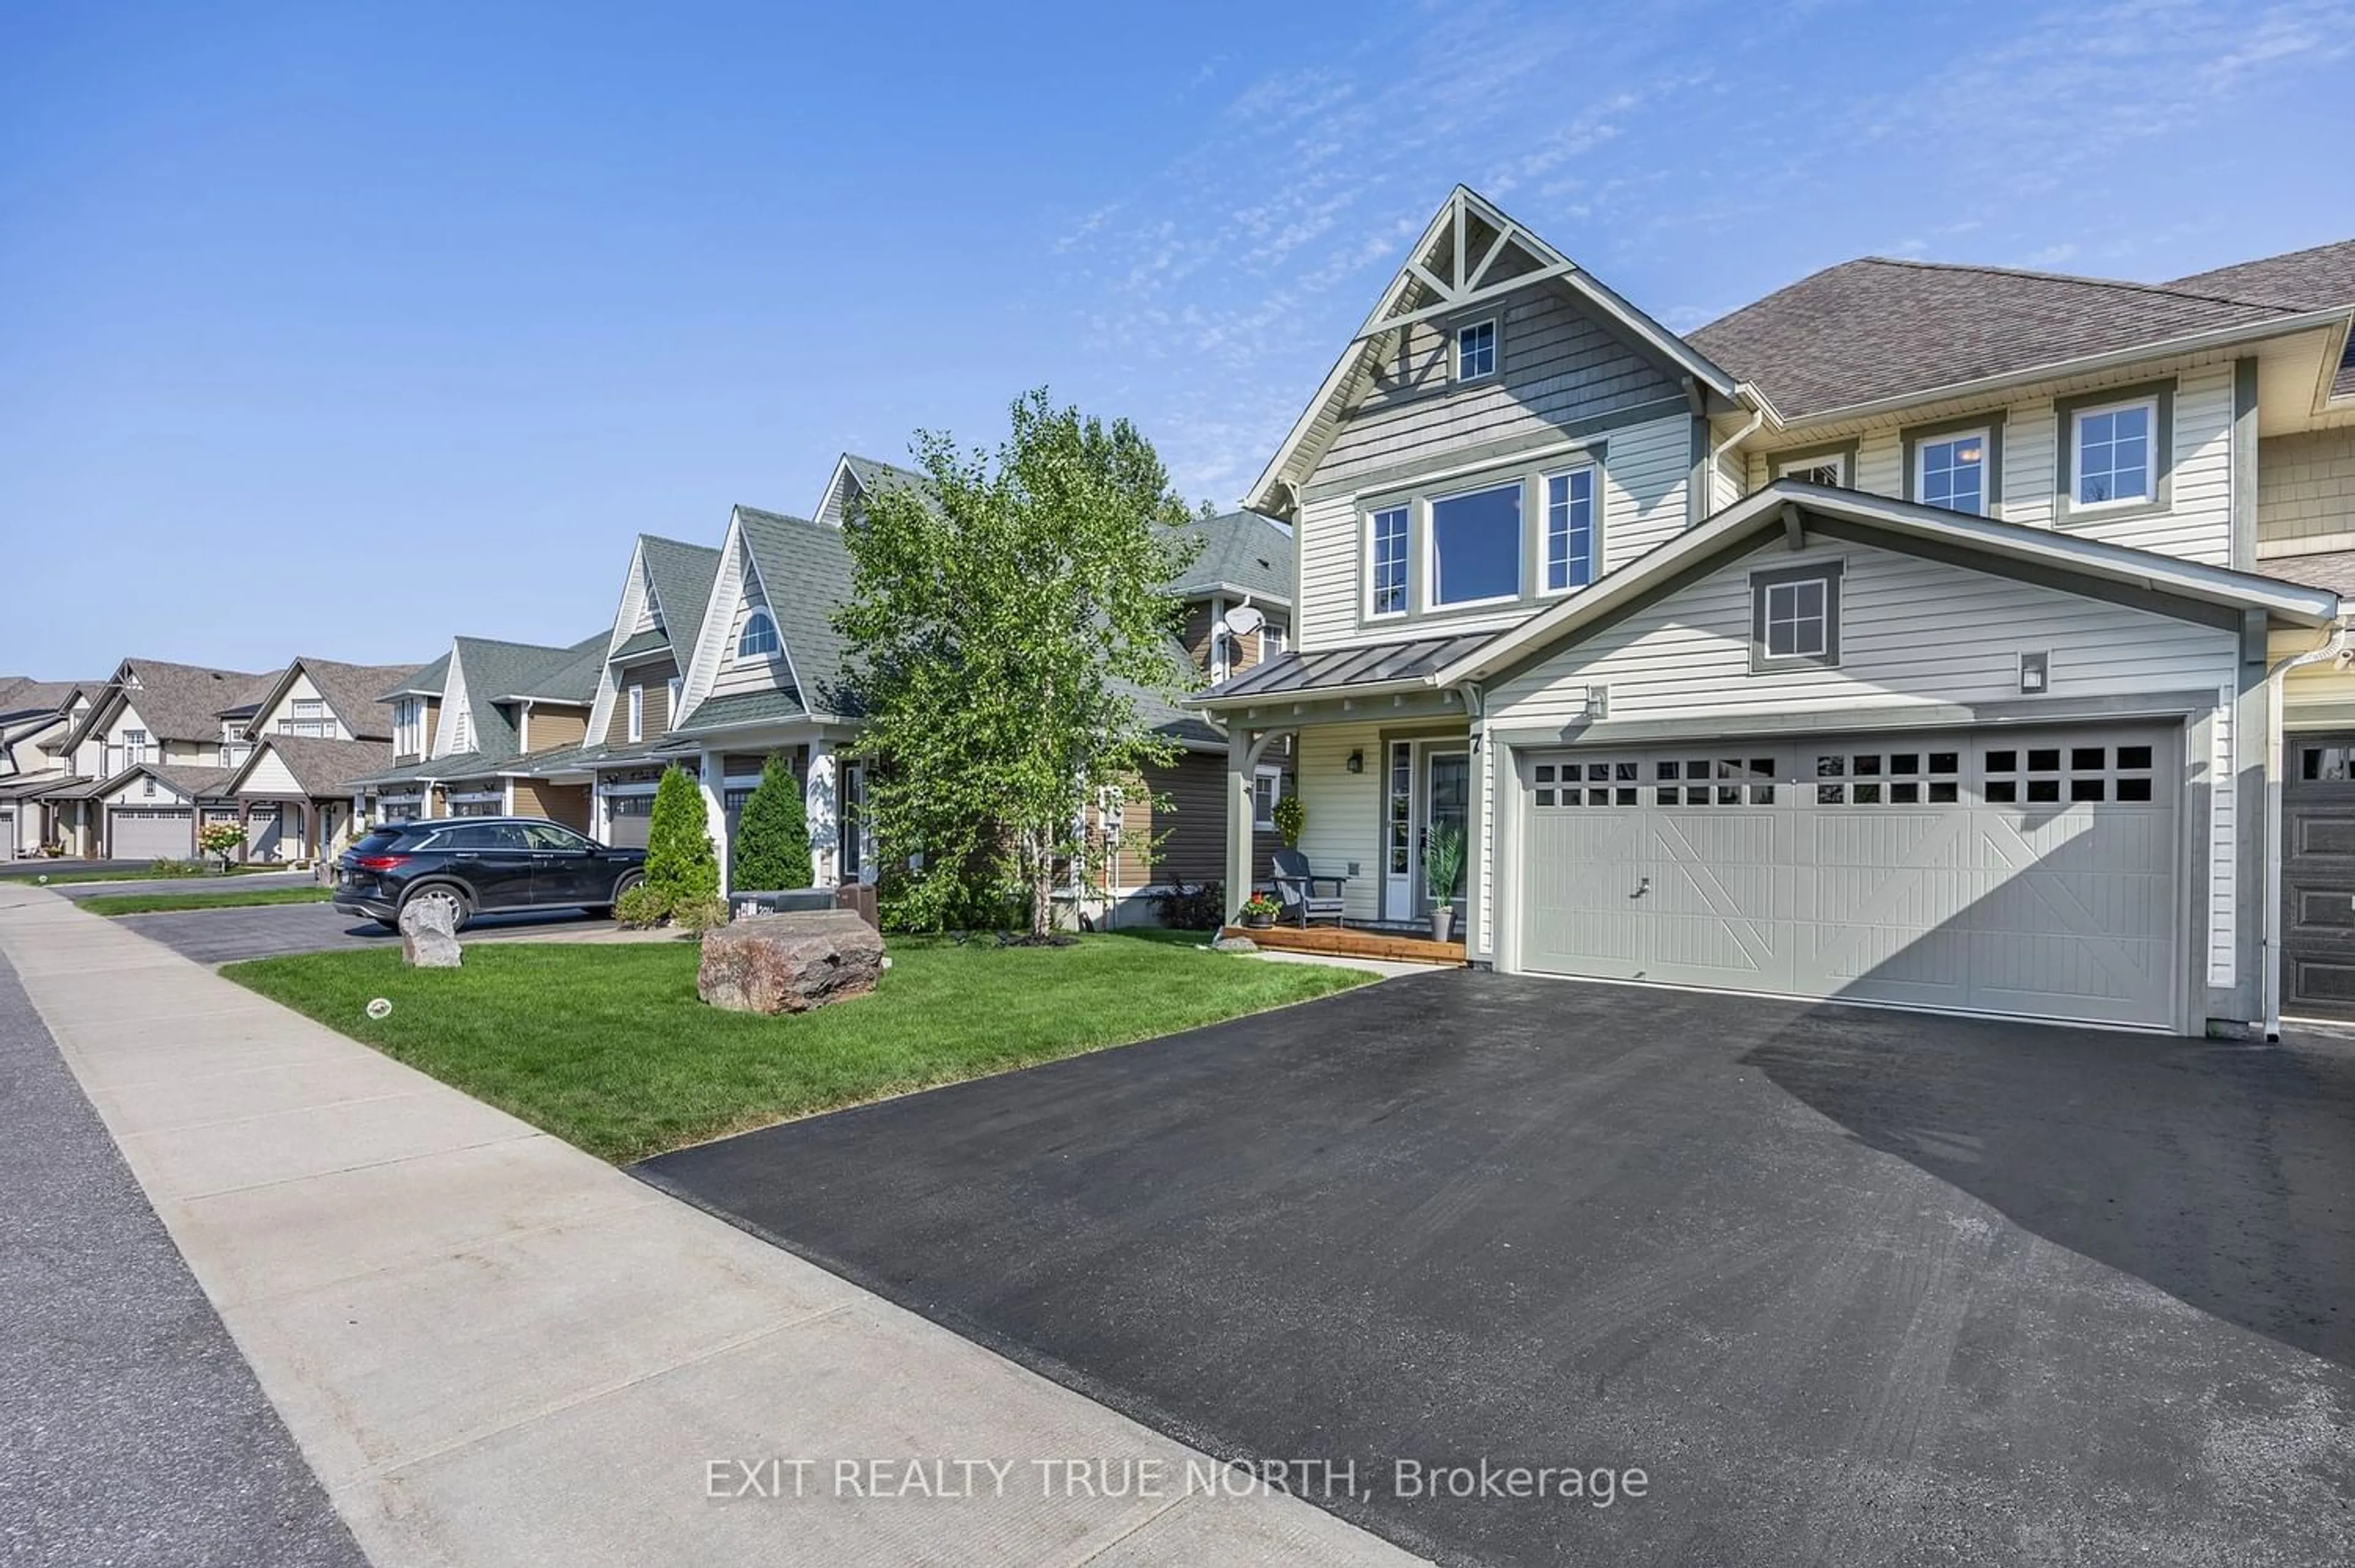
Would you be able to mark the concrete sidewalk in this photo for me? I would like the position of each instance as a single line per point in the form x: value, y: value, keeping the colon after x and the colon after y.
x: 493, y: 1348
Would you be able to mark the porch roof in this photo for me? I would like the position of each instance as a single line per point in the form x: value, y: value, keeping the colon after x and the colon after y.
x: 1369, y: 666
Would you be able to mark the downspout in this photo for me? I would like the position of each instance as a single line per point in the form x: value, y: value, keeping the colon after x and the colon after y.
x: 1757, y: 417
x: 2275, y: 678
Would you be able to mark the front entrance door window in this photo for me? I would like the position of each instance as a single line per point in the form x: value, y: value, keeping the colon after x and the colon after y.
x: 1448, y: 803
x: 1398, y: 829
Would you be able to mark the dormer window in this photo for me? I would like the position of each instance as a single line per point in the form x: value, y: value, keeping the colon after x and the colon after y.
x: 1475, y: 350
x: 759, y: 639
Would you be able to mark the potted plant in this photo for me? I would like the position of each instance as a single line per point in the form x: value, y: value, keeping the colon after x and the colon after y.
x: 1442, y: 871
x: 1258, y: 912
x: 1291, y: 816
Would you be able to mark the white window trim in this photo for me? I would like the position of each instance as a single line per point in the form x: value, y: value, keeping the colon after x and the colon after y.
x: 1593, y: 526
x: 671, y: 688
x: 637, y: 708
x: 1274, y: 777
x: 1790, y: 465
x: 1406, y: 559
x: 2149, y: 496
x: 1922, y: 447
x: 1496, y: 349
x: 1432, y: 604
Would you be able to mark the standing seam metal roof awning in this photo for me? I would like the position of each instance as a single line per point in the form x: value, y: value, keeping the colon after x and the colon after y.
x: 1336, y: 670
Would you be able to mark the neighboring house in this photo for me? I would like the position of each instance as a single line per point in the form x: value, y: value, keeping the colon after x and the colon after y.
x: 300, y: 747
x: 663, y: 598
x: 478, y: 717
x: 1913, y: 635
x: 34, y: 718
x: 149, y: 750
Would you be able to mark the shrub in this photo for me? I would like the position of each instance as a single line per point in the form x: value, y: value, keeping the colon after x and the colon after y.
x: 681, y: 863
x: 220, y: 839
x: 1291, y: 816
x: 1200, y: 907
x: 642, y: 906
x: 773, y: 844
x: 171, y: 867
x: 699, y: 915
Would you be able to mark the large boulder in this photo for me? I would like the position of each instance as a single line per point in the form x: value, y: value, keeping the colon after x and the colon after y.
x: 789, y: 962
x: 429, y: 935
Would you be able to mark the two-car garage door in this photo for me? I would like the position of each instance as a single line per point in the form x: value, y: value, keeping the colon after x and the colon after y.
x: 2004, y: 872
x: 150, y: 833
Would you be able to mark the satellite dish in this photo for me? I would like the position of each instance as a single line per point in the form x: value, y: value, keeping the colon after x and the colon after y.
x: 1243, y: 620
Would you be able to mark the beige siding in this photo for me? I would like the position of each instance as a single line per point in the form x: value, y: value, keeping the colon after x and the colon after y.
x: 2305, y: 490
x: 553, y: 728
x: 734, y: 676
x: 655, y: 718
x: 269, y: 775
x: 1343, y: 820
x: 567, y: 804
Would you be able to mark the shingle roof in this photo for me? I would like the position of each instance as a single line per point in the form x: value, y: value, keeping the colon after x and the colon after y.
x: 570, y: 679
x: 2314, y: 278
x: 642, y: 644
x: 805, y: 568
x: 1239, y: 549
x: 2334, y: 570
x: 326, y: 768
x: 188, y: 778
x: 683, y: 575
x: 350, y: 690
x: 495, y: 670
x: 1879, y: 328
x: 184, y: 702
x: 741, y: 707
x: 21, y: 696
x: 427, y: 680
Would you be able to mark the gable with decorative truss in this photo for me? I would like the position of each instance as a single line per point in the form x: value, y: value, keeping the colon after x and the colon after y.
x: 1547, y: 343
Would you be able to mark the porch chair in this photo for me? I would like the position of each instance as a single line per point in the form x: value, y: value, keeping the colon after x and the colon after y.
x: 1296, y: 890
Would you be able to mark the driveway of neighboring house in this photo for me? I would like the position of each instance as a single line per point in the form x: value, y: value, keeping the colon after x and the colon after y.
x: 267, y: 931
x: 1848, y: 1285
x: 250, y: 882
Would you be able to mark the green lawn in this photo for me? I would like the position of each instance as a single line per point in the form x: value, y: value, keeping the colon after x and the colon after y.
x: 225, y: 898
x: 607, y: 1047
x: 30, y: 870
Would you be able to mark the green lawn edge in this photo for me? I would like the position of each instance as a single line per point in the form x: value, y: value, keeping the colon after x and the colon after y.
x: 226, y: 898
x: 31, y: 871
x: 607, y: 1047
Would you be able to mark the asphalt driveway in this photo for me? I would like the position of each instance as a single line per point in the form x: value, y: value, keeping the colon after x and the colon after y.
x: 1846, y: 1286
x: 267, y: 931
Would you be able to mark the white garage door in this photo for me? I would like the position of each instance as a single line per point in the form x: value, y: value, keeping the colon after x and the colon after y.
x: 7, y: 835
x: 148, y: 833
x: 2028, y: 873
x: 628, y: 817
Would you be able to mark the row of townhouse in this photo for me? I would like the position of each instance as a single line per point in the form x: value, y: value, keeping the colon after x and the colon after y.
x: 1933, y: 636
x: 718, y: 658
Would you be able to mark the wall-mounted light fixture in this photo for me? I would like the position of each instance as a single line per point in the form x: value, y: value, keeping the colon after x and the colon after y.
x: 2035, y: 673
x: 1357, y: 761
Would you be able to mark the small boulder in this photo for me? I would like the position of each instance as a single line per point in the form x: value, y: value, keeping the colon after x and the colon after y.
x: 1234, y: 945
x: 428, y: 937
x: 789, y: 962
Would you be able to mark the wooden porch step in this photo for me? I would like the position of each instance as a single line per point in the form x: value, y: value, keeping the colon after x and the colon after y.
x: 1342, y: 942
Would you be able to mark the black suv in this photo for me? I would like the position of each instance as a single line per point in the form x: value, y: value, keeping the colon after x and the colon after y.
x: 481, y: 865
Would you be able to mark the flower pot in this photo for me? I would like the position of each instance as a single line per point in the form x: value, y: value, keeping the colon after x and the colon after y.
x: 1443, y: 921
x: 1259, y: 921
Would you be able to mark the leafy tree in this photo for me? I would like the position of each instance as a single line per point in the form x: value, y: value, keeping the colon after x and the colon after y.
x: 773, y: 842
x: 681, y: 866
x: 1002, y: 631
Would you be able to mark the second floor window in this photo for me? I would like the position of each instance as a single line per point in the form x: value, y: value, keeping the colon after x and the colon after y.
x: 670, y: 701
x: 1570, y: 529
x: 1476, y: 546
x: 1475, y: 350
x: 134, y: 747
x: 1389, y: 561
x: 1827, y: 468
x: 408, y: 727
x: 309, y: 716
x: 2112, y: 454
x: 637, y: 712
x: 1951, y: 471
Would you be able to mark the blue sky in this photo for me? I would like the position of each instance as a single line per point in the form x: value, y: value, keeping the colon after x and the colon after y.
x: 338, y: 330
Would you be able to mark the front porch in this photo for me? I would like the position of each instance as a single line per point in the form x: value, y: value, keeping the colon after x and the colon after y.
x: 1394, y: 944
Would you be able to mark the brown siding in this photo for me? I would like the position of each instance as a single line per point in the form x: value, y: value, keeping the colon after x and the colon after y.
x: 555, y: 728
x: 655, y: 677
x: 568, y: 803
x: 1194, y: 817
x: 1248, y: 650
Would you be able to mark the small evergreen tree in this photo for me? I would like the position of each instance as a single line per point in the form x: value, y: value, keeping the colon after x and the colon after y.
x: 681, y: 866
x: 773, y: 843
